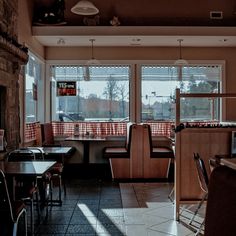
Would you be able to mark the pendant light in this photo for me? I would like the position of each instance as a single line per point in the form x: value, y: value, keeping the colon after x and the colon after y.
x: 180, y: 61
x: 92, y: 61
x: 85, y: 8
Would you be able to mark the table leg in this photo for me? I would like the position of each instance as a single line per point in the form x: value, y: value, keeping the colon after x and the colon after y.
x: 86, y: 152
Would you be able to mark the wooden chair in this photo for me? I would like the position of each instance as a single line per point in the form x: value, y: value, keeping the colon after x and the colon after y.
x: 220, y: 211
x: 156, y: 158
x: 10, y: 210
x: 47, y: 136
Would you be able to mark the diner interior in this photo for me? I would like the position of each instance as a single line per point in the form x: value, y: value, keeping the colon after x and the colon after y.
x: 117, y: 117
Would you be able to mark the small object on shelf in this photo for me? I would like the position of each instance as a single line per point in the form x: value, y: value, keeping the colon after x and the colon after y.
x: 115, y: 21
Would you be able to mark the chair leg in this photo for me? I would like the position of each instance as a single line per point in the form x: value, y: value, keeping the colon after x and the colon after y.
x: 48, y: 195
x: 198, y: 207
x: 60, y: 184
x: 200, y: 228
x: 170, y: 194
x: 64, y: 185
x: 32, y: 216
x: 50, y: 189
x: 15, y: 229
x: 37, y: 204
x: 26, y: 230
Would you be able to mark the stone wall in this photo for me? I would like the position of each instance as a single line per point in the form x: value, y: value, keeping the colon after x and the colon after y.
x: 12, y: 57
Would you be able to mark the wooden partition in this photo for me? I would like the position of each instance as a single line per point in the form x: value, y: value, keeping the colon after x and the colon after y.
x: 155, y: 167
x: 125, y: 168
x: 140, y: 165
x: 208, y: 142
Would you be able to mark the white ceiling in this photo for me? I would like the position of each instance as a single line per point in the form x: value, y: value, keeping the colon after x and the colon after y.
x: 135, y: 36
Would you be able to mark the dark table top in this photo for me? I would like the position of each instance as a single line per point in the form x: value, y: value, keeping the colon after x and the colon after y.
x: 37, y: 168
x: 52, y: 150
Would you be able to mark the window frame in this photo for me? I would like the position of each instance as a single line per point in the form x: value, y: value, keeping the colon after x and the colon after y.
x: 195, y: 63
x: 135, y: 81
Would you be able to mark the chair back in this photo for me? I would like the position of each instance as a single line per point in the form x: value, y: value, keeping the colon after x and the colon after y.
x: 47, y: 134
x: 5, y: 202
x: 129, y: 128
x: 162, y: 150
x: 21, y: 154
x: 201, y: 172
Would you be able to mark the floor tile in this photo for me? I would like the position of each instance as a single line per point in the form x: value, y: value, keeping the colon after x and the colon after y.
x: 94, y: 207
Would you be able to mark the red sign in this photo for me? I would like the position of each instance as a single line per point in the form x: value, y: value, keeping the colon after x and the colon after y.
x: 66, y: 88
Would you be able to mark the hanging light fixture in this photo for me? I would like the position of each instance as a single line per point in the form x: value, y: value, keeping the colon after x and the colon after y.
x: 92, y: 61
x: 85, y: 8
x: 180, y: 61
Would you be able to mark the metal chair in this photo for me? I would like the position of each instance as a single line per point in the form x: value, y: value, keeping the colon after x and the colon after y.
x: 44, y: 182
x: 10, y: 210
x: 203, y: 182
x: 26, y: 189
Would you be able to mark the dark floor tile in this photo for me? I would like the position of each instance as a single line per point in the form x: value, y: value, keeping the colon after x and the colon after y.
x: 58, y: 217
x: 110, y: 200
x: 110, y: 206
x: 88, y: 201
x: 110, y: 212
x: 82, y: 234
x: 91, y: 210
x: 51, y: 229
x: 111, y: 219
x: 110, y: 229
x: 78, y: 219
x: 81, y: 229
x: 49, y: 234
x: 89, y: 196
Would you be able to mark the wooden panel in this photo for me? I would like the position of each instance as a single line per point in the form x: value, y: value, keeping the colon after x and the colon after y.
x: 208, y: 142
x: 136, y: 152
x: 153, y: 167
x: 120, y: 168
x: 191, y: 142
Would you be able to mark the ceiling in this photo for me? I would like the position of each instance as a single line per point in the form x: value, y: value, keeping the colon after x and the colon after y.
x: 157, y: 23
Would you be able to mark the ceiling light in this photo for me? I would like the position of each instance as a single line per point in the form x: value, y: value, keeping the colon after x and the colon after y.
x: 61, y: 41
x: 180, y: 61
x: 84, y: 7
x: 92, y: 61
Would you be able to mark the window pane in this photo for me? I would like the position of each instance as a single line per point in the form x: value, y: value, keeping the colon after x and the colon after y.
x: 102, y: 93
x: 158, y: 92
x: 32, y: 75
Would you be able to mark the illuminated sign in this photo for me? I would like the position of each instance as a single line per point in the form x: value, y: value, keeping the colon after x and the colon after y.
x: 66, y: 88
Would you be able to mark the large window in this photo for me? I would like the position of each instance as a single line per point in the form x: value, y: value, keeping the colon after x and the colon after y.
x: 90, y: 93
x: 32, y: 76
x: 158, y: 91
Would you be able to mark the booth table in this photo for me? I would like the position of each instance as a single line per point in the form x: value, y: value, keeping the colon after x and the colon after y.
x: 86, y: 143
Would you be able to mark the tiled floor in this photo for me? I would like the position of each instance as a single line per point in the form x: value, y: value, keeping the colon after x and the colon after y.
x: 94, y: 207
